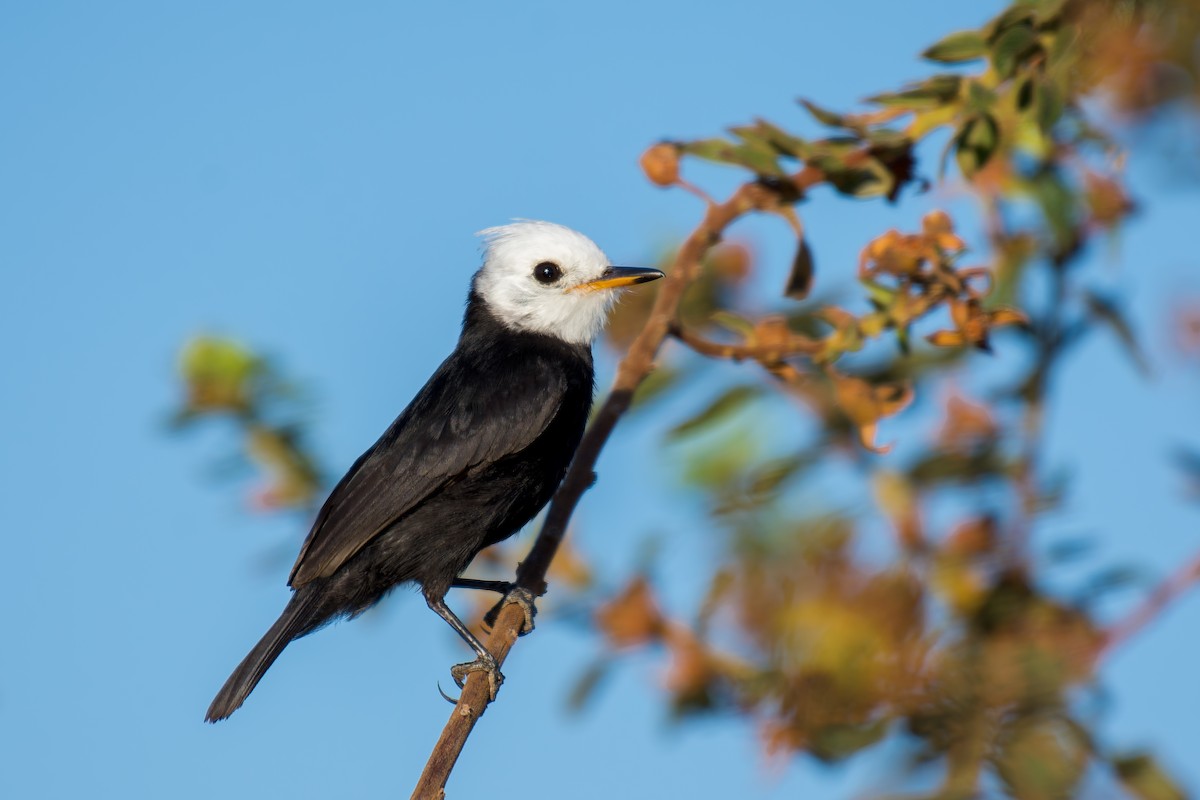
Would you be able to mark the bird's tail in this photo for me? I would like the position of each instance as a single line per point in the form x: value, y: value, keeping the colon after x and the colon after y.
x: 296, y: 620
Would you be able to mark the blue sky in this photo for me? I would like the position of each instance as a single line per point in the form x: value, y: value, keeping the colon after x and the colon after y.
x: 308, y: 177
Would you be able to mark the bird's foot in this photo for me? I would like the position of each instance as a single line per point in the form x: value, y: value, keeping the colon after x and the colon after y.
x: 486, y: 663
x: 520, y: 596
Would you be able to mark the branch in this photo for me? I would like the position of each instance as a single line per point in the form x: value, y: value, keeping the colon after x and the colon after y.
x: 633, y: 369
x: 770, y: 353
x: 1167, y: 592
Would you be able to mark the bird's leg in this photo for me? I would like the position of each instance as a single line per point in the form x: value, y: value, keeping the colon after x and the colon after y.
x: 512, y: 594
x: 500, y: 587
x: 484, y: 661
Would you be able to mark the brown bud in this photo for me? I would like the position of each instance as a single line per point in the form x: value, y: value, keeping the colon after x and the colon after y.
x: 661, y: 164
x: 936, y: 222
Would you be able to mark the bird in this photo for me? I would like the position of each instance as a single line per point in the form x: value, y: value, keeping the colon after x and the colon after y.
x: 474, y: 456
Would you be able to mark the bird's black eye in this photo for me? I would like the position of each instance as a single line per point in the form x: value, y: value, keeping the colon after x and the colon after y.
x: 547, y: 272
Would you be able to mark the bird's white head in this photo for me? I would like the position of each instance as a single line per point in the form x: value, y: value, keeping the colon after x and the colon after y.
x: 545, y: 278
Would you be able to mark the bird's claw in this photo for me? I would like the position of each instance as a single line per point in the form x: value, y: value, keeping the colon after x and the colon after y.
x: 451, y: 700
x: 520, y: 596
x: 486, y: 665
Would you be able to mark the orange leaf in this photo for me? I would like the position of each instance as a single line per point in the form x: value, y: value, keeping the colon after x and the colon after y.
x: 965, y: 425
x: 946, y: 339
x: 772, y: 332
x: 1106, y: 199
x: 865, y: 404
x: 973, y: 537
x: 691, y: 668
x: 631, y: 618
x: 1004, y: 315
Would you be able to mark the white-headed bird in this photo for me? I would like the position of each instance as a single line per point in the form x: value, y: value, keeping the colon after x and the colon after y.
x: 477, y: 453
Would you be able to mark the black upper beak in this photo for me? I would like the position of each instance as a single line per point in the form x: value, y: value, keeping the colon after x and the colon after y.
x: 616, y: 277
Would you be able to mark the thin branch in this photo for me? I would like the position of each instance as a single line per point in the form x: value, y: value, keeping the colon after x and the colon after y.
x: 770, y: 353
x: 1171, y: 589
x: 633, y: 369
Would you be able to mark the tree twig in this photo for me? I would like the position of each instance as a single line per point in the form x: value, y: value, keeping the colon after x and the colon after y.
x: 772, y: 352
x: 1165, y: 593
x: 632, y: 370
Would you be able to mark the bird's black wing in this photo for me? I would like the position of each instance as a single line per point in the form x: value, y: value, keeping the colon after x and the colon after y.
x: 474, y: 410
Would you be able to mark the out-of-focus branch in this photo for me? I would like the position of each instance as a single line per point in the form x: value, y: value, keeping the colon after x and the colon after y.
x: 772, y: 352
x: 1171, y: 589
x: 633, y: 369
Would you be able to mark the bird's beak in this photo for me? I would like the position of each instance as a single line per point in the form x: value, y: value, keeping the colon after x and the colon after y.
x: 616, y: 277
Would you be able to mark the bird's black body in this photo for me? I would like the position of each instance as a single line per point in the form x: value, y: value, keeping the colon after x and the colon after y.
x: 477, y: 453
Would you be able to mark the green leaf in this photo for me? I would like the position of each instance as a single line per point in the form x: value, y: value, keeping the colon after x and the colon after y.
x: 947, y: 468
x: 1048, y: 11
x: 732, y: 322
x: 756, y: 152
x: 868, y: 179
x: 1067, y: 550
x: 958, y: 47
x: 770, y: 475
x: 888, y: 139
x: 1050, y: 105
x: 1012, y: 47
x: 587, y: 684
x: 756, y: 156
x: 800, y: 278
x: 1042, y: 759
x: 880, y: 296
x: 717, y: 465
x: 222, y: 376
x: 823, y: 116
x: 979, y: 97
x: 757, y: 159
x: 975, y: 143
x: 1112, y: 579
x: 719, y: 588
x: 834, y: 147
x: 755, y: 138
x: 836, y: 742
x: 1108, y: 313
x: 1145, y: 778
x: 1059, y: 206
x: 931, y: 93
x: 656, y: 384
x: 708, y: 149
x: 213, y: 358
x: 1017, y: 14
x: 783, y: 142
x: 722, y: 407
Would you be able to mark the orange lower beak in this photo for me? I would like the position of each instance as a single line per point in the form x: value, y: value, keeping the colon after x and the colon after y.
x: 616, y: 277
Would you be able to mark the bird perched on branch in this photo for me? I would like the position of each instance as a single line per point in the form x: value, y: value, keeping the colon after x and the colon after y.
x: 474, y: 457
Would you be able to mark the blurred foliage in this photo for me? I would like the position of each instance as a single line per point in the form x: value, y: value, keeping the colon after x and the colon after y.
x: 224, y: 379
x: 949, y: 638
x: 948, y: 635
